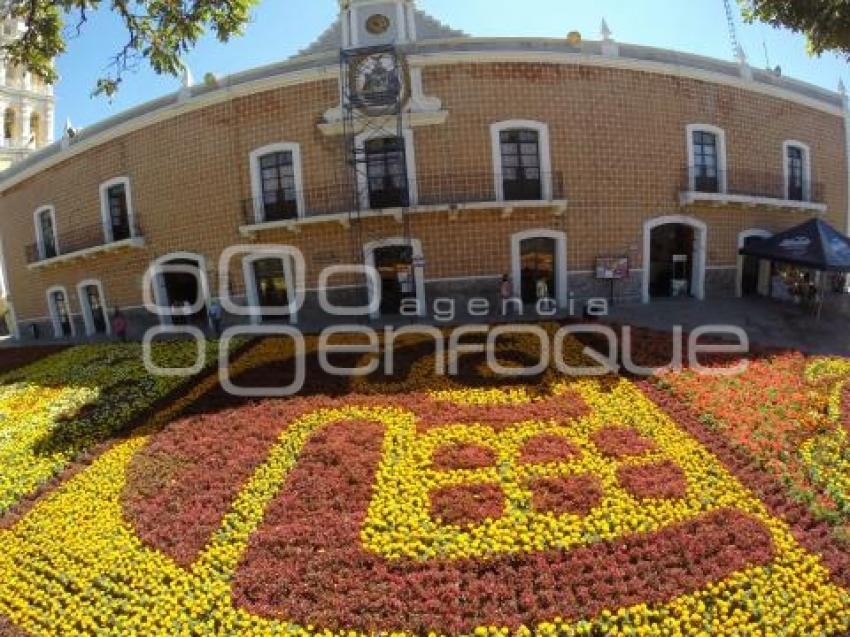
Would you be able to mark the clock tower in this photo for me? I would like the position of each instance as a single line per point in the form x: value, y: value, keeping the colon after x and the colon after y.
x: 367, y: 23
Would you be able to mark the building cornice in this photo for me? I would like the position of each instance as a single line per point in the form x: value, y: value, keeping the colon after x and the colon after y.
x: 321, y: 67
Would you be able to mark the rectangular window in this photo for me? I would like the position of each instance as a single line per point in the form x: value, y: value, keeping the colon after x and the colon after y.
x: 277, y: 175
x: 63, y: 318
x: 521, y: 177
x: 47, y: 244
x: 706, y: 174
x: 119, y: 212
x: 796, y: 174
x: 386, y: 172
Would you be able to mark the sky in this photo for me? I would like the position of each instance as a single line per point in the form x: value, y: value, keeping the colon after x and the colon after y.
x: 280, y: 28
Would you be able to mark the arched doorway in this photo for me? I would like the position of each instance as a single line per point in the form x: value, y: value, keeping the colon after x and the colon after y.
x: 400, y: 267
x: 674, y: 249
x: 270, y: 287
x: 753, y: 274
x: 539, y: 255
x: 180, y: 283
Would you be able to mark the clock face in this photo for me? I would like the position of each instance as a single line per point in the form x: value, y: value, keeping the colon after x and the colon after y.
x: 377, y: 24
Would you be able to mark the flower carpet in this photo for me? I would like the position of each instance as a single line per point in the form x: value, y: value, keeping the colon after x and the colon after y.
x: 422, y: 505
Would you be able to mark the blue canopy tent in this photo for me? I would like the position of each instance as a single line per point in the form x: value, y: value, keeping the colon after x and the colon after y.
x: 815, y: 245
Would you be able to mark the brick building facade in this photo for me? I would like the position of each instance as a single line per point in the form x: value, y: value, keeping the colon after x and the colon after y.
x: 532, y: 158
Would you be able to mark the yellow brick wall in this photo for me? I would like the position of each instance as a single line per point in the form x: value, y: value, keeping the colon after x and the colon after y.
x: 617, y: 136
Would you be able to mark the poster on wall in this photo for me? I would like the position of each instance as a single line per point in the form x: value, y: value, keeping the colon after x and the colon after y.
x: 612, y: 268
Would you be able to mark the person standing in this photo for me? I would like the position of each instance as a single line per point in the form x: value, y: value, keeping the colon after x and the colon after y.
x: 216, y: 312
x: 506, y: 292
x: 119, y: 325
x: 188, y: 318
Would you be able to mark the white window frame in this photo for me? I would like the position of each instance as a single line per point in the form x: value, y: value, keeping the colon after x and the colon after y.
x: 699, y: 255
x: 418, y: 270
x: 54, y: 314
x: 285, y: 255
x: 720, y: 134
x: 88, y: 317
x: 542, y: 129
x: 561, y: 269
x: 39, y: 238
x: 257, y: 176
x: 764, y: 264
x: 157, y: 283
x: 409, y: 159
x: 104, y: 206
x: 807, y: 168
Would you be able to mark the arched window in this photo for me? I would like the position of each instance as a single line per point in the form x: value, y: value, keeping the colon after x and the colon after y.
x: 521, y: 162
x: 35, y: 128
x: 706, y: 158
x: 9, y: 124
x: 60, y: 312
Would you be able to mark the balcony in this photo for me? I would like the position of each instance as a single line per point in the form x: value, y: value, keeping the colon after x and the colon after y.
x: 455, y: 193
x: 750, y: 189
x: 83, y: 243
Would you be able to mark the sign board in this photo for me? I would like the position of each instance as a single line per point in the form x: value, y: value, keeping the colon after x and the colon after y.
x: 612, y: 268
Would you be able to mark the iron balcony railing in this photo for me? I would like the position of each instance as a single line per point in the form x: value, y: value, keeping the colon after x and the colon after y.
x: 425, y: 190
x: 79, y: 239
x: 749, y: 183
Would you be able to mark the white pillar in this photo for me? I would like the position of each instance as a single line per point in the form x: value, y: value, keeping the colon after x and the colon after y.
x: 2, y: 72
x: 49, y: 123
x: 26, y: 113
x: 27, y: 81
x: 3, y: 106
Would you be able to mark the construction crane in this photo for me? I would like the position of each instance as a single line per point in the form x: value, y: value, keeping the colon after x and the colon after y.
x: 733, y: 29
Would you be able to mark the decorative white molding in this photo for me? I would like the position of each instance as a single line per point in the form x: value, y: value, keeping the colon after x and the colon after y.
x: 558, y: 207
x: 699, y: 254
x: 88, y: 253
x: 257, y: 178
x: 543, y: 146
x: 333, y: 125
x: 561, y: 283
x: 690, y: 198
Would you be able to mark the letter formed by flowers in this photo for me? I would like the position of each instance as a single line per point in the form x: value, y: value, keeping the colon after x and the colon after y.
x: 420, y: 514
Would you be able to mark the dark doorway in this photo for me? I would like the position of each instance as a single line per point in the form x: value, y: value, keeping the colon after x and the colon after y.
x: 671, y: 260
x: 181, y: 289
x: 272, y: 291
x: 750, y: 270
x: 395, y: 267
x: 537, y: 269
x: 96, y: 309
